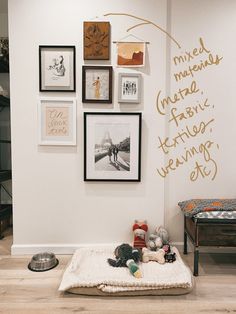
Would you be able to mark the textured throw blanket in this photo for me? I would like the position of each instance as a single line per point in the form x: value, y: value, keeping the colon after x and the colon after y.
x: 89, y: 268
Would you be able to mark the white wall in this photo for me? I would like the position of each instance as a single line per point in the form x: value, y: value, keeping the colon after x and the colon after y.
x: 53, y: 207
x: 215, y: 22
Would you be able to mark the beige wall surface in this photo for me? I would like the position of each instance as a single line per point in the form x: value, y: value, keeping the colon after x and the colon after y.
x: 53, y: 207
x: 205, y: 30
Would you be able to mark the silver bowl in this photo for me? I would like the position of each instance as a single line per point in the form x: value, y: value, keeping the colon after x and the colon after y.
x: 43, y: 261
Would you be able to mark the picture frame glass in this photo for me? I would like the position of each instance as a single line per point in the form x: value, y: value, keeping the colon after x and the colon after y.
x: 97, y: 84
x: 112, y: 146
x: 57, y: 68
x: 57, y: 122
x: 129, y: 88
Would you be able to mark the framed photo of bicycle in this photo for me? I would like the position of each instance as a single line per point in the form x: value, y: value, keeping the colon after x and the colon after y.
x: 57, y: 68
x: 97, y: 84
x: 112, y: 146
x: 129, y: 88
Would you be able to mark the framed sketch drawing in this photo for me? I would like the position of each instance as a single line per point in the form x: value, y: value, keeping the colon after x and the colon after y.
x: 129, y: 88
x: 112, y: 146
x: 96, y: 40
x: 131, y: 54
x: 97, y: 84
x: 57, y: 121
x: 57, y: 68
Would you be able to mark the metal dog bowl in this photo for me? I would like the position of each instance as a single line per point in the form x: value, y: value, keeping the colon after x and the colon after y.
x: 43, y: 262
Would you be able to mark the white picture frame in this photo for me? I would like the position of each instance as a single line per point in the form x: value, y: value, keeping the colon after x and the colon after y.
x: 129, y: 85
x: 57, y: 121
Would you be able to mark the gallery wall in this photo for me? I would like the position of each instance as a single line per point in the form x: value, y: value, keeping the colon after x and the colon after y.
x: 53, y: 207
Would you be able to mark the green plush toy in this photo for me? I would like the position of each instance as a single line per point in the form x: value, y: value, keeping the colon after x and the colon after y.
x: 133, y: 268
x: 127, y: 256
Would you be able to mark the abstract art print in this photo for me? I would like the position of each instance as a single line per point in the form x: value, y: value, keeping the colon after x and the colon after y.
x: 129, y: 88
x: 57, y: 68
x: 131, y: 54
x: 112, y: 146
x: 96, y: 40
x: 57, y: 121
x: 97, y: 84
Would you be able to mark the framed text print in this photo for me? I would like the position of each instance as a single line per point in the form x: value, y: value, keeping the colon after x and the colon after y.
x: 57, y: 68
x: 112, y: 146
x: 57, y: 121
x: 97, y: 84
x: 129, y: 88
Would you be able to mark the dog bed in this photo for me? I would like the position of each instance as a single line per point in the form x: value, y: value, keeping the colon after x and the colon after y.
x: 89, y: 273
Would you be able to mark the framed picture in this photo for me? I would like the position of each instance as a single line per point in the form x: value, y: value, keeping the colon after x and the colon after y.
x: 129, y: 88
x: 97, y: 84
x: 57, y: 68
x: 57, y: 121
x: 131, y: 54
x: 112, y: 146
x: 96, y: 40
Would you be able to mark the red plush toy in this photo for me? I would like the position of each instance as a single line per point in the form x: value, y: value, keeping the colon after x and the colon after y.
x: 140, y: 229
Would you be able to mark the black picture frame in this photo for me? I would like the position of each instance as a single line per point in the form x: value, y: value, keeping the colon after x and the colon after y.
x: 97, y: 84
x: 57, y: 68
x: 103, y: 131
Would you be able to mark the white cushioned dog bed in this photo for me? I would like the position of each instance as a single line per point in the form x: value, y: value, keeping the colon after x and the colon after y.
x: 89, y: 273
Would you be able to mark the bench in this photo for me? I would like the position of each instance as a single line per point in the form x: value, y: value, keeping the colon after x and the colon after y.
x: 214, y: 231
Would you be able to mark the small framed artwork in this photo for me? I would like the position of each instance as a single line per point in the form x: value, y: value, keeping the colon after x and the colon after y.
x: 57, y: 68
x: 112, y: 146
x: 131, y: 54
x: 129, y: 88
x: 96, y: 40
x: 97, y: 84
x: 57, y: 121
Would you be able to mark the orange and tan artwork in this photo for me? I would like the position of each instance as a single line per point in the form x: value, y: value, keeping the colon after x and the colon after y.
x: 131, y: 54
x: 96, y: 40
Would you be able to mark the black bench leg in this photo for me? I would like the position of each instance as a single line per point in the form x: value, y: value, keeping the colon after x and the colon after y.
x: 195, y: 265
x: 185, y: 243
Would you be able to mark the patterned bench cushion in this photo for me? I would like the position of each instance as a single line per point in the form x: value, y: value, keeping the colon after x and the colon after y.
x: 218, y: 214
x: 195, y: 206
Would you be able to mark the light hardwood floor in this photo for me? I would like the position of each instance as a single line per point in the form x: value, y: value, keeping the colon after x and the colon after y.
x: 23, y: 291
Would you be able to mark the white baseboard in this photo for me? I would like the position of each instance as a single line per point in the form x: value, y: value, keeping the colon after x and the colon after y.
x: 63, y: 249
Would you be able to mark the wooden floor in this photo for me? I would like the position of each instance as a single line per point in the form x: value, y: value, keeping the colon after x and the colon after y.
x: 23, y: 291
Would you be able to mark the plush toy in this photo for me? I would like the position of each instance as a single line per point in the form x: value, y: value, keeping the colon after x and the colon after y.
x: 140, y: 229
x: 170, y: 257
x: 154, y: 242
x: 163, y: 234
x: 127, y: 256
x: 158, y: 256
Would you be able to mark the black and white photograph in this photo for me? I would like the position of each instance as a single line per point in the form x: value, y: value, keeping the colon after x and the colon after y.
x: 112, y: 146
x: 129, y: 87
x: 57, y: 68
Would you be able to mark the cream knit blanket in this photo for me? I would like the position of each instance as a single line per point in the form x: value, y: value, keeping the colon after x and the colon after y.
x: 89, y: 268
